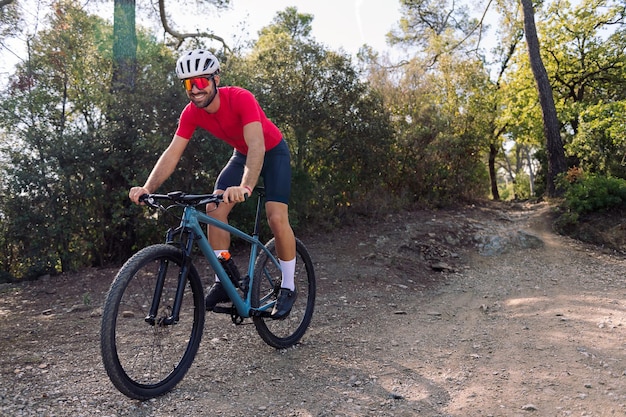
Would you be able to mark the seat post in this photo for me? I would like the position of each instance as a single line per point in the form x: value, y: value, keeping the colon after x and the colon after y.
x: 257, y: 219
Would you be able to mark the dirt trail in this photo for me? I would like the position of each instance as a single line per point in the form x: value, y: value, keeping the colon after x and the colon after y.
x: 411, y: 320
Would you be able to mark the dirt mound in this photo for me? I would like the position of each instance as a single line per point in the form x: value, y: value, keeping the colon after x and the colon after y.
x: 606, y: 229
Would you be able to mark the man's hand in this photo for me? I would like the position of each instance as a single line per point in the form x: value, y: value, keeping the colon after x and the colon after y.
x: 236, y: 194
x: 137, y: 192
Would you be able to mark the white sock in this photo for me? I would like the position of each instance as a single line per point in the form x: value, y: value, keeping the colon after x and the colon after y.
x: 217, y: 253
x: 288, y: 269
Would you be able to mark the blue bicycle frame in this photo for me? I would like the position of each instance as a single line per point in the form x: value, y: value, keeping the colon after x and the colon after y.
x: 191, y: 224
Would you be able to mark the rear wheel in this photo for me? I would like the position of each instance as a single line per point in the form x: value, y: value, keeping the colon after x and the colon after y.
x: 285, y: 332
x: 143, y: 357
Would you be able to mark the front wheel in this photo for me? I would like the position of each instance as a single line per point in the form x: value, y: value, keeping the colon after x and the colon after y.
x: 286, y: 332
x: 147, y: 356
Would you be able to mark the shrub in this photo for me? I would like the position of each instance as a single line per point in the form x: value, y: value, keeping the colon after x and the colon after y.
x: 588, y: 193
x: 6, y: 277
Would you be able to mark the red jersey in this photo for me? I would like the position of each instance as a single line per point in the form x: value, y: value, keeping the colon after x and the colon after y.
x: 238, y: 107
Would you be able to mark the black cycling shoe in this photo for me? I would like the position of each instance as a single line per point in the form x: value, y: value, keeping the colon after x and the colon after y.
x: 215, y: 295
x: 284, y: 302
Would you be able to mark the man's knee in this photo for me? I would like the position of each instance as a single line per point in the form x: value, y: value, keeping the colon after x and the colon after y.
x: 277, y: 221
x: 220, y: 212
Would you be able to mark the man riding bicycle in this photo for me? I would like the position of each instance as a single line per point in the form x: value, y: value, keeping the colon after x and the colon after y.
x: 233, y: 115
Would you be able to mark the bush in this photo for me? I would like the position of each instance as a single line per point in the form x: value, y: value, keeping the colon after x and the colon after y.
x: 6, y: 277
x: 586, y: 194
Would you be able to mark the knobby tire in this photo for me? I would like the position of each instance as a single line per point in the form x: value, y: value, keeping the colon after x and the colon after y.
x: 146, y: 360
x: 287, y: 332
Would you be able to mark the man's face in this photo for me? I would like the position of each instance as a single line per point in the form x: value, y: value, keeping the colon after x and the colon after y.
x: 202, y: 97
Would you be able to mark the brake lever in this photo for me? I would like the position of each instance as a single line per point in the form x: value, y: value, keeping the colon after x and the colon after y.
x: 149, y: 201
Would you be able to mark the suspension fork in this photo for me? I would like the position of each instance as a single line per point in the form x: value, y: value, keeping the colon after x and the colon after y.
x: 182, y: 281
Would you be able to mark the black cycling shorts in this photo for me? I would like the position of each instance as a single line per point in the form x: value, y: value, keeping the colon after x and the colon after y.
x: 276, y: 173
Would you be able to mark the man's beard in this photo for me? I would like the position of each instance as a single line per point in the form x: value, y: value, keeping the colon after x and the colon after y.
x: 202, y: 103
x: 208, y: 99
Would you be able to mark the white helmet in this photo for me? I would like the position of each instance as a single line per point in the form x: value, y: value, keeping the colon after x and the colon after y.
x: 197, y: 63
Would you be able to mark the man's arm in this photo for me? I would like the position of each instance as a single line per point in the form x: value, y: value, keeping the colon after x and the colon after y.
x: 162, y: 169
x: 253, y: 134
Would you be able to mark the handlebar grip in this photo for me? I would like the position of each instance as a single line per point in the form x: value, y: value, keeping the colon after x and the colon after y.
x: 143, y: 198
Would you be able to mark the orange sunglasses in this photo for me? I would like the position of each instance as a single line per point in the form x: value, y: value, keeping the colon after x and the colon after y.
x: 199, y: 82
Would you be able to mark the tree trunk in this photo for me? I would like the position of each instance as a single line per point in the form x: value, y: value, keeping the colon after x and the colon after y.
x: 531, y: 173
x: 554, y: 145
x: 120, y: 237
x: 124, y: 46
x: 493, y: 152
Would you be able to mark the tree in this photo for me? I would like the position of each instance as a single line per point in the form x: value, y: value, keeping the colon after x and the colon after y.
x: 585, y: 55
x: 445, y: 116
x: 62, y: 150
x: 44, y: 103
x: 336, y: 126
x: 181, y: 37
x: 585, y: 62
x: 600, y: 142
x: 511, y: 34
x: 440, y: 28
x: 554, y: 145
x: 124, y: 46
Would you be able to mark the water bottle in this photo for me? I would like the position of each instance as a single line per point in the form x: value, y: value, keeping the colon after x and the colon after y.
x: 231, y: 269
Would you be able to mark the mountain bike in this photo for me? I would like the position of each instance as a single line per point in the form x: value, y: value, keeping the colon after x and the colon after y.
x: 153, y: 315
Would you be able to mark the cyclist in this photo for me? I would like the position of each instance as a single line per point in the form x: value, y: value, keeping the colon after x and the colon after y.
x: 233, y: 115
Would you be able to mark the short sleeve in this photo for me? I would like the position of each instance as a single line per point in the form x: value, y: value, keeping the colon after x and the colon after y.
x: 186, y: 124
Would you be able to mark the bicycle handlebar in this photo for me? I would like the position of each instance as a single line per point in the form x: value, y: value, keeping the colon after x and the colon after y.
x: 180, y: 198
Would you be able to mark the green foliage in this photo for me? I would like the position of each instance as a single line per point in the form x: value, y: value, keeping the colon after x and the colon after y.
x: 600, y: 143
x: 9, y: 20
x: 591, y: 193
x: 584, y: 54
x: 336, y: 126
x: 362, y: 143
x: 69, y: 160
x: 506, y: 191
x: 522, y: 186
x: 441, y: 127
x: 49, y: 158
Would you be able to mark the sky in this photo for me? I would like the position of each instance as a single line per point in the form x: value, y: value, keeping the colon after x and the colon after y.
x: 338, y: 24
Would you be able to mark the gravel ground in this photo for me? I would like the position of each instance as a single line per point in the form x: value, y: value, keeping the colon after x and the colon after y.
x: 482, y: 311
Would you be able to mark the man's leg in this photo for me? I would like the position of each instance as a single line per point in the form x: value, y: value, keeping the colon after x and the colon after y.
x: 220, y: 241
x: 230, y: 176
x: 218, y: 238
x: 278, y: 219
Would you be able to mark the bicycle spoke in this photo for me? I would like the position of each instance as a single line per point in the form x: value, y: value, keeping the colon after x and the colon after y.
x: 147, y: 357
x: 288, y: 331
